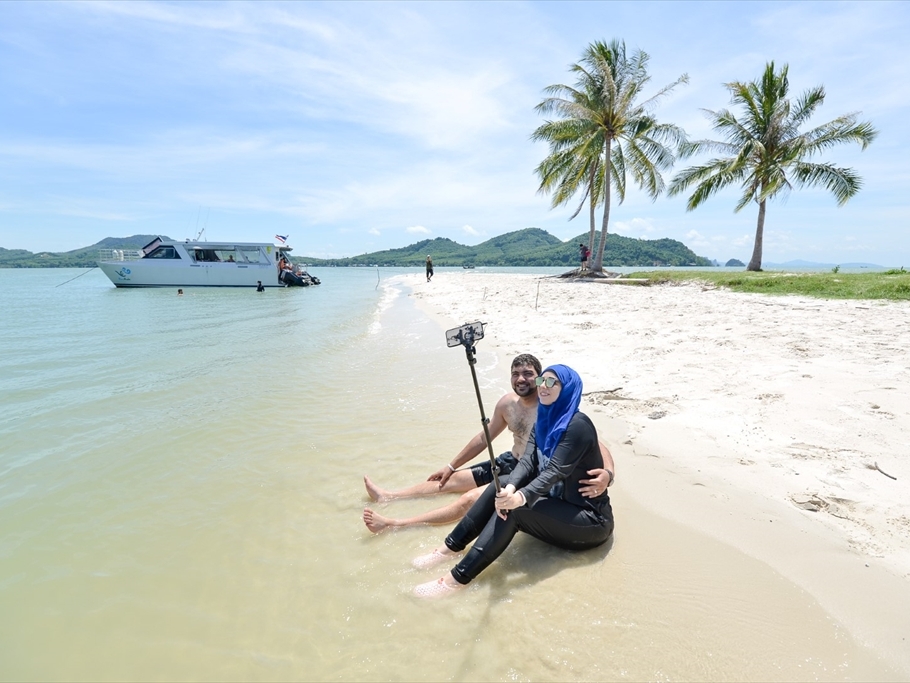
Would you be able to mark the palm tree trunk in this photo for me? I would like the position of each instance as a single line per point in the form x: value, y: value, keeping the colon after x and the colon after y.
x: 593, y: 206
x: 755, y: 263
x: 598, y: 266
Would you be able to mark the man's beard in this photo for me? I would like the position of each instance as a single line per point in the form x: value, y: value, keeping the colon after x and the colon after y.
x: 525, y: 390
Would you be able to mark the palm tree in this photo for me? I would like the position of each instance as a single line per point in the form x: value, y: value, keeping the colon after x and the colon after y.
x: 767, y: 153
x: 572, y: 165
x: 601, y: 133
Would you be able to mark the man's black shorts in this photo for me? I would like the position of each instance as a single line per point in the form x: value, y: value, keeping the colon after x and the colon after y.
x: 483, y: 473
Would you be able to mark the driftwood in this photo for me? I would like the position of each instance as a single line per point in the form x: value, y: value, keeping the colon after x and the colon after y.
x: 874, y: 466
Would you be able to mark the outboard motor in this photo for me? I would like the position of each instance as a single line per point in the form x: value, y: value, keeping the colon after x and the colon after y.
x: 293, y: 279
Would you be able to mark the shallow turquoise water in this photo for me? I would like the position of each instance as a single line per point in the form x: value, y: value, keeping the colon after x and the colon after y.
x: 180, y: 476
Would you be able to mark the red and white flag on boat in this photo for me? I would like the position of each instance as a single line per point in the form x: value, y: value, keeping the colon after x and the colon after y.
x: 281, y: 239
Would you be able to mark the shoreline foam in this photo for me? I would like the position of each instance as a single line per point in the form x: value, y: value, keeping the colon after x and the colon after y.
x: 737, y: 415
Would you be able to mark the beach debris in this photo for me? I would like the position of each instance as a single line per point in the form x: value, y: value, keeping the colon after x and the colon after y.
x: 808, y: 501
x: 815, y: 503
x: 657, y: 414
x: 874, y: 466
x: 602, y: 397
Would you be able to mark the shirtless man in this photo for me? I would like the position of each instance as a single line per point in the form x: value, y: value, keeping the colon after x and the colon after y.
x: 516, y: 411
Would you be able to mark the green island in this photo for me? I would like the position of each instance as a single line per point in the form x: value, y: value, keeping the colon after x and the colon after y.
x: 891, y: 284
x: 84, y: 257
x: 528, y: 247
x: 533, y: 247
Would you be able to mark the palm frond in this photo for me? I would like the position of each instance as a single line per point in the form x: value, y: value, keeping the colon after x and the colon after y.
x: 843, y: 183
x: 618, y: 171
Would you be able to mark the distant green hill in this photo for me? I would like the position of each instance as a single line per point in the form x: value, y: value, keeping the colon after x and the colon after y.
x: 86, y: 257
x: 528, y: 247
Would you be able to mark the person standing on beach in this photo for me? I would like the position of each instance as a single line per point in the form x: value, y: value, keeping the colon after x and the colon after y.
x: 429, y: 268
x: 585, y: 254
x: 517, y: 411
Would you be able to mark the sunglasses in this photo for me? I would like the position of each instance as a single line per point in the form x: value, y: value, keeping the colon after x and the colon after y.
x: 549, y: 381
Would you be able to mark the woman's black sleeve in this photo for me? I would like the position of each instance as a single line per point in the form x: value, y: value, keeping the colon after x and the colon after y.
x: 571, y: 448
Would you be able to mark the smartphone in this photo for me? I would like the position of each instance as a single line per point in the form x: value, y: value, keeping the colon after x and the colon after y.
x: 465, y: 335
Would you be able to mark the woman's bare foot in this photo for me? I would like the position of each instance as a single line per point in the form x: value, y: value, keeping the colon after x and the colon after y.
x: 374, y: 492
x: 375, y: 522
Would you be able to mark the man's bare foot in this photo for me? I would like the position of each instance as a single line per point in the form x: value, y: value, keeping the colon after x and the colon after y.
x: 375, y: 493
x: 375, y: 522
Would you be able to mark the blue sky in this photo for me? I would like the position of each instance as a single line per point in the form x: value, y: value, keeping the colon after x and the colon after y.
x: 355, y: 127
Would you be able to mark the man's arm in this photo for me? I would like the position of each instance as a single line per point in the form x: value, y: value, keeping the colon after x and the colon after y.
x: 477, y: 444
x: 601, y: 479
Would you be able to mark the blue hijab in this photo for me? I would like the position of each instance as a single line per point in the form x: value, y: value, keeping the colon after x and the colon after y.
x: 553, y: 420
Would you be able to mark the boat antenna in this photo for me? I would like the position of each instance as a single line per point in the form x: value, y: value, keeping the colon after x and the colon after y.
x: 200, y: 233
x: 465, y: 336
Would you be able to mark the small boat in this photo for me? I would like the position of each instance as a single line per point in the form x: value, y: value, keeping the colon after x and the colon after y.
x: 468, y: 266
x: 165, y: 263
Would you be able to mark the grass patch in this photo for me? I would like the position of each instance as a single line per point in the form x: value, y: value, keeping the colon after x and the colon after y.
x: 892, y: 285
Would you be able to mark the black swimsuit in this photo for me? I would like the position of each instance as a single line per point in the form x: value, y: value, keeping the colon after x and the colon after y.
x: 557, y: 515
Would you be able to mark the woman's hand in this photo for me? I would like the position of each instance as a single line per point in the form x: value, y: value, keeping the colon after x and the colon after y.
x: 594, y: 487
x: 507, y: 499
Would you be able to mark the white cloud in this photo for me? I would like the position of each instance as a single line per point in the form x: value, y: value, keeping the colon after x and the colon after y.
x: 694, y: 235
x: 636, y: 226
x: 743, y: 240
x: 471, y: 231
x: 97, y: 215
x: 374, y: 231
x: 417, y: 230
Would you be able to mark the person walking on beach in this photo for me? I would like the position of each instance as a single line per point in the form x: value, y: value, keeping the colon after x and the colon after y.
x: 429, y: 268
x: 543, y: 496
x: 517, y: 411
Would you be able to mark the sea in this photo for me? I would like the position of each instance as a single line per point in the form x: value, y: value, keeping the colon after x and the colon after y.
x: 181, y: 490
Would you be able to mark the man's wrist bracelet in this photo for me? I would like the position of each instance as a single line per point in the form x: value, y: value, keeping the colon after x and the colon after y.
x: 610, y: 472
x: 449, y: 465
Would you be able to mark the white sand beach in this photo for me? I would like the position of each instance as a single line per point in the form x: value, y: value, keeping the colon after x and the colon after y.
x: 759, y: 421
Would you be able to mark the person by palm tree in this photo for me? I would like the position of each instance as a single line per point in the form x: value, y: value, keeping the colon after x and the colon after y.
x: 602, y: 132
x: 767, y: 153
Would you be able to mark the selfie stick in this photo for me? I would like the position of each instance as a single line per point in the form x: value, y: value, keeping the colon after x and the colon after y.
x: 465, y: 336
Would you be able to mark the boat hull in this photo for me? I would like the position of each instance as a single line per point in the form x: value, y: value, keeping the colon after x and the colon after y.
x: 150, y: 273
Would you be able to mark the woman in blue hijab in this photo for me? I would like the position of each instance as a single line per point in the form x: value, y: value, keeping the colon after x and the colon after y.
x: 542, y: 495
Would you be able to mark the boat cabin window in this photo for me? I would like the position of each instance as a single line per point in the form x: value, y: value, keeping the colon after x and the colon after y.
x: 217, y: 255
x: 253, y: 255
x: 163, y: 252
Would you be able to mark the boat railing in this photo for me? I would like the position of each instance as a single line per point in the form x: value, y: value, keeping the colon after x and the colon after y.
x: 119, y: 254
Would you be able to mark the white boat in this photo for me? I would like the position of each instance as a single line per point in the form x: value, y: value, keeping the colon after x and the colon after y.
x: 163, y: 263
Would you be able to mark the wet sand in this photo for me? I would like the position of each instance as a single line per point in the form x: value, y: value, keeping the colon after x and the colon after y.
x: 755, y: 421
